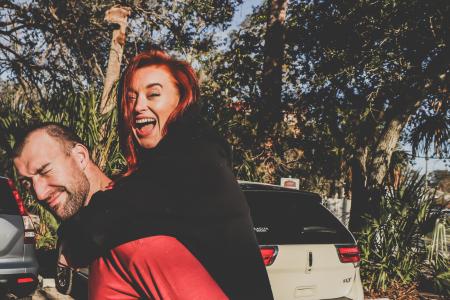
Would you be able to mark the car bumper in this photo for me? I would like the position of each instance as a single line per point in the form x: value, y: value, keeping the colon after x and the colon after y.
x: 19, y: 284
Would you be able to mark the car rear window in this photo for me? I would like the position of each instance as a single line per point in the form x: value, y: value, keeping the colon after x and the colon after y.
x: 8, y: 204
x: 294, y: 218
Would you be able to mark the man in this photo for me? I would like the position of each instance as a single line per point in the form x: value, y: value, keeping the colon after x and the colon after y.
x: 52, y: 161
x: 56, y: 165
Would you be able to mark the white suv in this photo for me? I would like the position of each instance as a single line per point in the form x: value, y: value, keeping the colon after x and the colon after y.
x: 308, y: 253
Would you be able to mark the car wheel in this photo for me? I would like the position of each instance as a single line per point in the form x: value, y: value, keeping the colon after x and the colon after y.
x: 64, y: 276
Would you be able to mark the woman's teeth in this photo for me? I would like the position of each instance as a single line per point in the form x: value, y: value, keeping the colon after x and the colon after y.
x: 143, y: 122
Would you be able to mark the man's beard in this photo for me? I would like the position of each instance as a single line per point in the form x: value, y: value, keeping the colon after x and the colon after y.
x: 77, y: 194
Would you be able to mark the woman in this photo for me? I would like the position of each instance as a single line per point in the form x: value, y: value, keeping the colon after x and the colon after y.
x: 179, y: 182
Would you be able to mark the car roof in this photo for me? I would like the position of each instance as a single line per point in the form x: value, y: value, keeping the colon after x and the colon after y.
x: 259, y: 186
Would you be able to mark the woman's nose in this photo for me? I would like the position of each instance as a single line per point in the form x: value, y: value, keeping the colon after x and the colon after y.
x: 141, y: 104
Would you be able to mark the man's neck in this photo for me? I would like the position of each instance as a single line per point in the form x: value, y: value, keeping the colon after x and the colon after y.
x: 98, y: 181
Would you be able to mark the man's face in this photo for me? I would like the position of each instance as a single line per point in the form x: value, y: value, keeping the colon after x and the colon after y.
x: 56, y: 178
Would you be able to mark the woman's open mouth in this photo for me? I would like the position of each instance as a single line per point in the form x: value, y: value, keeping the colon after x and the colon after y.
x: 144, y: 126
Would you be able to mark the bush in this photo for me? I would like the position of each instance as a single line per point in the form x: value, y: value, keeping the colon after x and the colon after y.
x: 437, y: 275
x: 392, y: 247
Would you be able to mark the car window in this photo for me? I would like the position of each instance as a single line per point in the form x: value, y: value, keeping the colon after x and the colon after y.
x: 8, y: 204
x: 293, y: 218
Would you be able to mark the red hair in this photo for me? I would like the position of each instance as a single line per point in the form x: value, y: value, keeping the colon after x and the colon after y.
x: 188, y: 88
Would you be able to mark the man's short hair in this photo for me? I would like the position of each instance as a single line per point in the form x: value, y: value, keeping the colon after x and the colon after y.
x: 63, y: 134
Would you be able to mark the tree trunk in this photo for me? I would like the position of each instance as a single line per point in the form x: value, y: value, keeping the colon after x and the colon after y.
x: 369, y: 171
x: 360, y: 196
x: 382, y: 154
x: 118, y: 16
x: 270, y: 106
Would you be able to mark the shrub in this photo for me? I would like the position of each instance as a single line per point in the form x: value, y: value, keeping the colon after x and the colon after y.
x: 392, y: 247
x: 437, y: 274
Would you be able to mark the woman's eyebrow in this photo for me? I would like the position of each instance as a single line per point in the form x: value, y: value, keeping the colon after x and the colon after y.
x: 150, y: 85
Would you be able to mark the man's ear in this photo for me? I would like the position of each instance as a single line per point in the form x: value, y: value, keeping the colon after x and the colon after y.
x: 81, y: 155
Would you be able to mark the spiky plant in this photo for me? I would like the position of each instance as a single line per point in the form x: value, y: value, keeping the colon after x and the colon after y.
x: 392, y: 244
x: 438, y: 257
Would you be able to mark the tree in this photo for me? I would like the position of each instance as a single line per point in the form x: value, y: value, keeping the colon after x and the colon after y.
x: 270, y: 106
x: 368, y: 68
x: 51, y: 46
x: 440, y: 179
x: 118, y: 16
x: 360, y: 77
x: 232, y: 101
x: 62, y: 46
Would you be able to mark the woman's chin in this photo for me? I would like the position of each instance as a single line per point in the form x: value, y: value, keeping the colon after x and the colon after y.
x: 148, y: 142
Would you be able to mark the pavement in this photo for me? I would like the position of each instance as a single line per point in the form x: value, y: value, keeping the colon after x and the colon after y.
x: 49, y: 294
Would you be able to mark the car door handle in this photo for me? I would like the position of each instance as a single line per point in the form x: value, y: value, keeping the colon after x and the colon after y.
x: 310, y: 262
x: 310, y: 259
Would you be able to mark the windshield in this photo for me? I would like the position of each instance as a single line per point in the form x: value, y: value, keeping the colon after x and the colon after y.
x: 294, y: 218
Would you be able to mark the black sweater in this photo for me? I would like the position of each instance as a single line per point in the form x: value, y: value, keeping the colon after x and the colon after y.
x: 184, y: 188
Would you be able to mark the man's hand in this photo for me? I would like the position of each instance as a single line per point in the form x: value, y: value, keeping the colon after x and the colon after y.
x: 62, y: 259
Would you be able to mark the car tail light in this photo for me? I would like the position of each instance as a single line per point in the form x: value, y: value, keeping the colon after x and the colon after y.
x: 348, y: 254
x: 22, y: 210
x: 25, y: 280
x: 269, y: 253
x: 29, y: 232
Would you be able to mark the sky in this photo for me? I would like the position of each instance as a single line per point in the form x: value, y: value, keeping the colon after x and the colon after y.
x: 245, y: 9
x: 433, y: 163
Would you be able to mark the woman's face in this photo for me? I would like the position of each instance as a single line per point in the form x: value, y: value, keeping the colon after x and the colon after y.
x: 152, y: 96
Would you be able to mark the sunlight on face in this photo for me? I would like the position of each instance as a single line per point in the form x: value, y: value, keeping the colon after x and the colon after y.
x: 52, y: 175
x: 153, y: 96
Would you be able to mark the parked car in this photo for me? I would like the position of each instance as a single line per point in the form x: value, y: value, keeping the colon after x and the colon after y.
x: 18, y: 263
x: 308, y: 252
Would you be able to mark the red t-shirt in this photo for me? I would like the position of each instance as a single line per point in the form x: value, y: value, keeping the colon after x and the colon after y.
x: 156, y: 267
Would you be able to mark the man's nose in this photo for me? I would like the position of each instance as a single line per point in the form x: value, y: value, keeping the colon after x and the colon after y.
x: 40, y: 188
